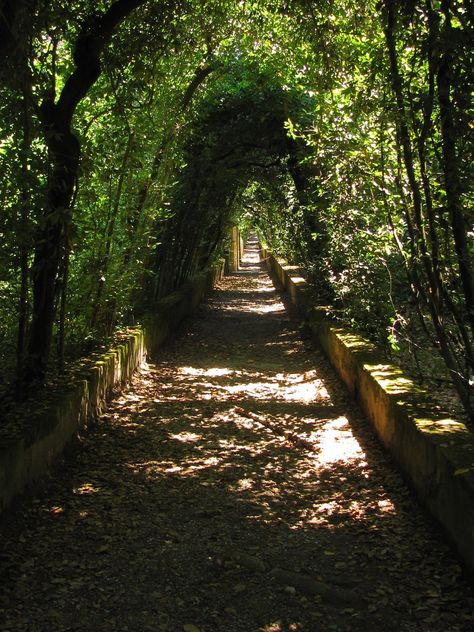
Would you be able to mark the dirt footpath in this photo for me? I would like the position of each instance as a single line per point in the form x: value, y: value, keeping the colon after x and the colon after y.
x: 233, y: 488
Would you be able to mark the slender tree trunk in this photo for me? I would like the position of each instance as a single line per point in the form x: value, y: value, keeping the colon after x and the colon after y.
x: 417, y: 229
x: 103, y: 265
x: 63, y: 308
x: 315, y: 234
x: 64, y: 150
x: 23, y: 237
x: 200, y: 75
x: 452, y: 180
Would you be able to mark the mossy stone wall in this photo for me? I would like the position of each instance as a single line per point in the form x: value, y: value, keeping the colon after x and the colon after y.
x: 434, y: 451
x: 29, y: 447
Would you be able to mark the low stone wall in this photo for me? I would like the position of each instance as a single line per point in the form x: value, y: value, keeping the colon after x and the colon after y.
x: 28, y: 448
x: 171, y: 310
x: 435, y: 452
x: 234, y: 254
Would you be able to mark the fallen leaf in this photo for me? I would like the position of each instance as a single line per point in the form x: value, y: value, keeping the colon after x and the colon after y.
x: 230, y: 610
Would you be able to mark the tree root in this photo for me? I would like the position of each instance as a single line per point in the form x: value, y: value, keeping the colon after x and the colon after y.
x: 303, y: 583
x: 274, y: 425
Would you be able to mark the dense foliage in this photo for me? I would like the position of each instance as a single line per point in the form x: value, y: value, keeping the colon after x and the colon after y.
x: 134, y: 133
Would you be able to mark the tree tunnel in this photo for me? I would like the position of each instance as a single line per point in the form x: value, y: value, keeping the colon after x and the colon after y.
x: 239, y: 146
x: 133, y: 132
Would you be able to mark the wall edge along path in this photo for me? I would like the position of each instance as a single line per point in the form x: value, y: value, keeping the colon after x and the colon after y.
x: 434, y: 451
x: 27, y: 452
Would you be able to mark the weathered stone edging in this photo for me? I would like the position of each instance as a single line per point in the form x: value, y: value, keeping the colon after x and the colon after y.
x: 435, y: 452
x: 28, y: 448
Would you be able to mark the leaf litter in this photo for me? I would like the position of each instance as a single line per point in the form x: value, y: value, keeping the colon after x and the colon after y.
x: 234, y: 487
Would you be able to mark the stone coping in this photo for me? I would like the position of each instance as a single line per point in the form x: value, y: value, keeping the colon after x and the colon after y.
x: 434, y: 451
x: 30, y: 444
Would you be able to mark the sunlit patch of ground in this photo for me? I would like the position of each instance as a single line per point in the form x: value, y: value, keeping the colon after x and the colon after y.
x: 238, y: 442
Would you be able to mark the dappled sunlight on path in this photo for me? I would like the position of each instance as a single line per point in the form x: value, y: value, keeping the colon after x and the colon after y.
x: 233, y: 488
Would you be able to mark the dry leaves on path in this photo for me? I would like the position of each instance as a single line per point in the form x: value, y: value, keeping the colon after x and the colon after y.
x: 234, y: 488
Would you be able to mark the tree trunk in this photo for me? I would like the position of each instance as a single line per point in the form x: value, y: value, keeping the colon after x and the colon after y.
x: 23, y: 243
x: 452, y: 180
x: 63, y: 308
x: 64, y: 150
x: 104, y: 263
x: 419, y: 243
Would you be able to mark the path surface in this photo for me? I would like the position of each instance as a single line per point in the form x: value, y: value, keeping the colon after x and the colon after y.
x: 233, y: 488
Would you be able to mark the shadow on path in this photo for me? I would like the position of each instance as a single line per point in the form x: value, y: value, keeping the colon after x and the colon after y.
x: 234, y: 488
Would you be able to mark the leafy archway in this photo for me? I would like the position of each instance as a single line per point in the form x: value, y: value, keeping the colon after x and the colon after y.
x: 109, y: 111
x: 239, y: 144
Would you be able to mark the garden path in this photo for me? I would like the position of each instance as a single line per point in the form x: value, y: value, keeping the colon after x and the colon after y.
x: 233, y: 487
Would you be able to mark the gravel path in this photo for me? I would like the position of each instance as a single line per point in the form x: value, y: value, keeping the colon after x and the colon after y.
x: 233, y: 488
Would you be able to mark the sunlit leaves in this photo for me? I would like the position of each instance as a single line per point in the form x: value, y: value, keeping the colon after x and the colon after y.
x: 317, y: 72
